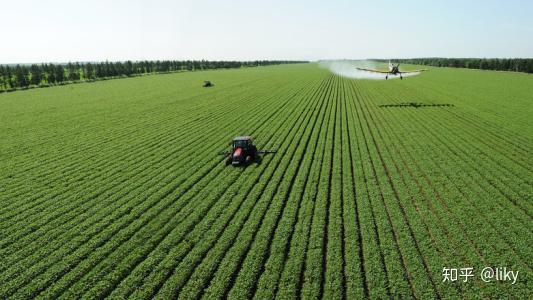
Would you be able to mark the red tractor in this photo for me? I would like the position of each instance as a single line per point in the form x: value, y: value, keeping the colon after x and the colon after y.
x: 243, y: 152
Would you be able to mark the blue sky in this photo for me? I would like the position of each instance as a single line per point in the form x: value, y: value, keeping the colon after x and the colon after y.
x: 60, y: 30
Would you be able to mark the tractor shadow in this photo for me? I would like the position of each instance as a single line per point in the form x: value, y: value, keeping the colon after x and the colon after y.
x: 257, y: 161
x: 415, y: 105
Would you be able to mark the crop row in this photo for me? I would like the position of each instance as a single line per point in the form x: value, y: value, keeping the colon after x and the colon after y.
x: 470, y: 194
x: 360, y: 201
x: 128, y: 211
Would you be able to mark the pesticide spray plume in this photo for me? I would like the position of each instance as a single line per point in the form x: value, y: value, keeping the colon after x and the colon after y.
x: 348, y: 68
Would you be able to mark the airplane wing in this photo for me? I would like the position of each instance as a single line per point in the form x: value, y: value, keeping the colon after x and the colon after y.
x: 372, y: 70
x: 413, y: 71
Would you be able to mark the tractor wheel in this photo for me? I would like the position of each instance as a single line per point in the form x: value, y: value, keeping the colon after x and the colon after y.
x: 248, y: 159
x: 228, y: 162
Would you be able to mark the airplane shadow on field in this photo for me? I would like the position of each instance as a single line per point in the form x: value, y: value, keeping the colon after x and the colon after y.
x: 416, y: 105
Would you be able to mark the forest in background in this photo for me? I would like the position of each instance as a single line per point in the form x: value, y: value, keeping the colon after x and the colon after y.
x: 497, y: 64
x: 24, y: 76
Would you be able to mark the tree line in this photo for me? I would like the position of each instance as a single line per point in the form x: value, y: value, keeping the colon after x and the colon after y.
x: 499, y: 64
x: 13, y: 77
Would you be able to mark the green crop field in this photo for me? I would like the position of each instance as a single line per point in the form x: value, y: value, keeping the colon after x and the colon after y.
x: 116, y: 188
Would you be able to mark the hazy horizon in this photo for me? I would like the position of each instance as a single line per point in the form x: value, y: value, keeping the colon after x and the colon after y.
x: 63, y: 31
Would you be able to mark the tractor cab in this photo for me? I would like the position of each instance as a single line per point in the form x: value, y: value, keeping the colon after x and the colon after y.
x: 243, y: 152
x: 243, y: 142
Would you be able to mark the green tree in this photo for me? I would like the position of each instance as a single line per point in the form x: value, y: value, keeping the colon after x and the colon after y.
x: 3, y: 82
x: 59, y: 72
x: 36, y: 74
x: 21, y: 77
x: 88, y: 72
x: 50, y: 73
x: 9, y: 77
x: 73, y: 72
x: 128, y: 68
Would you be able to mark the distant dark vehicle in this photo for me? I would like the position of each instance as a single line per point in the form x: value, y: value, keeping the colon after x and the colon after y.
x: 243, y: 152
x: 208, y: 83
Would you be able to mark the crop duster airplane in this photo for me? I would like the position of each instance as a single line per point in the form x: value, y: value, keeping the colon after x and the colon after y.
x: 393, y: 70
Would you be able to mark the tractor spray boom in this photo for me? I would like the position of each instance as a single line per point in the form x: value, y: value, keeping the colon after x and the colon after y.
x: 266, y: 151
x: 243, y: 151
